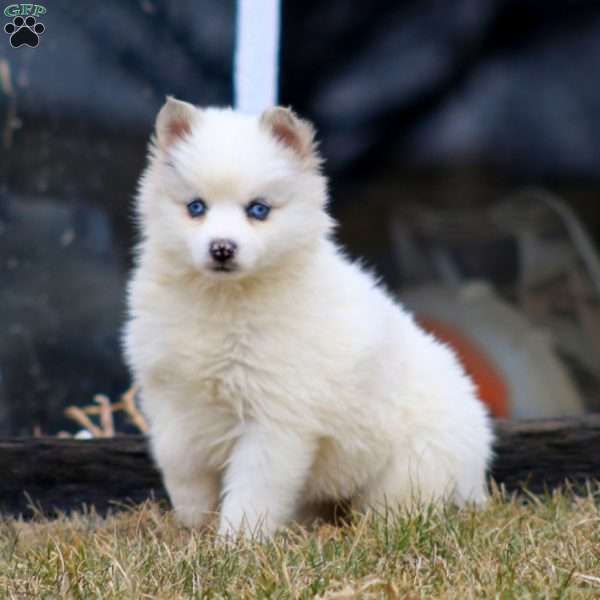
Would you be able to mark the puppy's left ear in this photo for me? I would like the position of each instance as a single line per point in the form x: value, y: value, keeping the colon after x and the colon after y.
x: 175, y: 121
x: 291, y: 131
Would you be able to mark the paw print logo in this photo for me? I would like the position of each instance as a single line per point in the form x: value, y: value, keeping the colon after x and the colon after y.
x: 24, y: 32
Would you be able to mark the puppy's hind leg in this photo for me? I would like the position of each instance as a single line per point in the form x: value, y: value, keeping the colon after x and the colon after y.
x: 408, y: 480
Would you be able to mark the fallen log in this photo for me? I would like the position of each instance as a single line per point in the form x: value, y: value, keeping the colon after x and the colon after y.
x: 50, y: 475
x: 543, y: 454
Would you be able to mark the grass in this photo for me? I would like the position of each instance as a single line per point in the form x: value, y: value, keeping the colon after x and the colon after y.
x: 543, y: 547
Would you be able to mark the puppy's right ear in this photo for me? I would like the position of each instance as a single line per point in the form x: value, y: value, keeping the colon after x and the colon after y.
x: 174, y: 122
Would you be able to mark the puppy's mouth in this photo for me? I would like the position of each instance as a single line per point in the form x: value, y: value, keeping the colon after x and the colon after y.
x: 219, y: 268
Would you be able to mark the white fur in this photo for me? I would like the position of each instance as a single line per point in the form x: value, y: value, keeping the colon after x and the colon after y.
x: 296, y: 378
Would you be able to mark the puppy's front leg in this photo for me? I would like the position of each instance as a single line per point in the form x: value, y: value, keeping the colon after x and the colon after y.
x: 263, y: 480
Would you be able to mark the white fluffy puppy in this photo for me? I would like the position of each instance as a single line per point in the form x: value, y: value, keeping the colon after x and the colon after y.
x: 275, y: 372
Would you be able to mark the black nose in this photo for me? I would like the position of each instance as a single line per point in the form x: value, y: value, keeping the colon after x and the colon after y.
x: 222, y: 250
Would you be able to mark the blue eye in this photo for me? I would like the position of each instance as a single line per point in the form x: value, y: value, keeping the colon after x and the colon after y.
x: 258, y: 210
x: 196, y: 208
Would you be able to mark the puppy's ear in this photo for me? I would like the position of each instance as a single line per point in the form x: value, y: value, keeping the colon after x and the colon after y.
x: 174, y: 121
x: 290, y: 130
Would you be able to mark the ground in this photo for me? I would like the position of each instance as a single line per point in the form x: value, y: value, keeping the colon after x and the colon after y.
x: 532, y: 547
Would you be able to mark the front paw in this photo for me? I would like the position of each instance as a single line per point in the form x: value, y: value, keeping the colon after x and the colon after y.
x: 192, y: 516
x: 193, y: 498
x: 229, y: 533
x: 233, y: 526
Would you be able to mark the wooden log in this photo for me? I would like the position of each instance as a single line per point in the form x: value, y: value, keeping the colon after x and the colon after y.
x: 51, y: 474
x: 542, y: 454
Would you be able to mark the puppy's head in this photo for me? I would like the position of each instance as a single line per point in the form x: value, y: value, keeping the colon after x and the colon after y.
x: 229, y: 195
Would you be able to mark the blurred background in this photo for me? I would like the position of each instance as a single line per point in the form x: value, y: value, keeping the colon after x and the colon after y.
x: 463, y: 144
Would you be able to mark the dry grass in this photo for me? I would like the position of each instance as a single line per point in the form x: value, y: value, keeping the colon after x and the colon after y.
x: 547, y: 547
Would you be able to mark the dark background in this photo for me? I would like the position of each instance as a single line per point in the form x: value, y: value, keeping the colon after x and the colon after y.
x: 443, y: 106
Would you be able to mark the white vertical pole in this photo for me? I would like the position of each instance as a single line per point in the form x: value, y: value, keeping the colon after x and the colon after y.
x: 257, y: 55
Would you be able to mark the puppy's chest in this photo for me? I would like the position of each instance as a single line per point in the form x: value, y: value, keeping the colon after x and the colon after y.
x: 227, y: 361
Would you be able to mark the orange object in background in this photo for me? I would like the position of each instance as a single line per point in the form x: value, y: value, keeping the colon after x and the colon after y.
x: 491, y: 387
